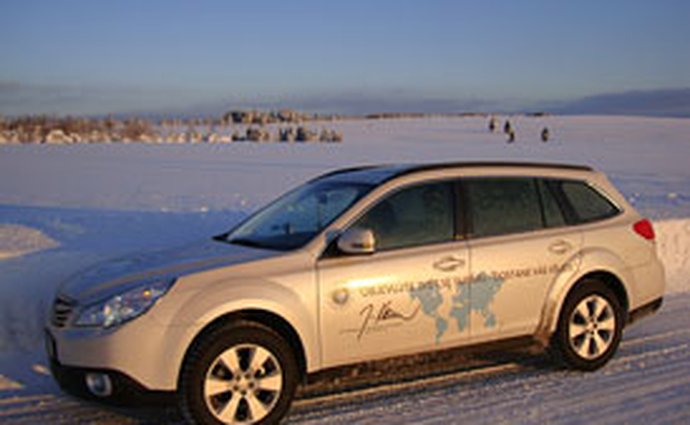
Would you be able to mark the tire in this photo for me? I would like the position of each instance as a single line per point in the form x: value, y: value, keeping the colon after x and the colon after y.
x: 242, y: 372
x: 589, y: 328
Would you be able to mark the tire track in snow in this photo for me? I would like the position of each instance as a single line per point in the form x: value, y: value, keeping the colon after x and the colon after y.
x: 520, y: 392
x: 596, y: 400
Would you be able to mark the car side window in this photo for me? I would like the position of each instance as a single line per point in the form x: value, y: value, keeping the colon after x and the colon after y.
x: 501, y: 206
x: 413, y: 216
x: 588, y: 204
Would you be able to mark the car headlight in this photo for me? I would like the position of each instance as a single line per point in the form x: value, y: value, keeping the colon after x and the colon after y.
x: 125, y: 306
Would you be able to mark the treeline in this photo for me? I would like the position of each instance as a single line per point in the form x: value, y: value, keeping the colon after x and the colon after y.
x: 52, y: 129
x: 233, y: 126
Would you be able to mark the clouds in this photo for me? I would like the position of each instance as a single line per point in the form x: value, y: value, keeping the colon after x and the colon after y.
x: 658, y: 103
x: 359, y: 102
x: 63, y: 99
x: 18, y: 98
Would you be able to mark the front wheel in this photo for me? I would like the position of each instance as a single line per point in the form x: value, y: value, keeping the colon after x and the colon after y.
x: 241, y: 373
x: 590, y: 326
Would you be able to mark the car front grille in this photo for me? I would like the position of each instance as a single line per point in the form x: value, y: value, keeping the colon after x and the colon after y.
x: 62, y: 311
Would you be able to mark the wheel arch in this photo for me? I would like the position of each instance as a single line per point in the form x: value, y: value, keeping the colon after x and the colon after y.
x: 266, y: 318
x: 555, y: 303
x: 613, y: 282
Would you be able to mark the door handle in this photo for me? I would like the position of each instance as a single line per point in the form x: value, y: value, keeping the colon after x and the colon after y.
x: 450, y: 263
x: 560, y: 247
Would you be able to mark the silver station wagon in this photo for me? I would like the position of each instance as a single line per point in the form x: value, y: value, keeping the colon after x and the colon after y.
x: 357, y: 265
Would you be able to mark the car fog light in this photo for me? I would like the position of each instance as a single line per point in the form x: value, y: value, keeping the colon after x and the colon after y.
x: 99, y: 384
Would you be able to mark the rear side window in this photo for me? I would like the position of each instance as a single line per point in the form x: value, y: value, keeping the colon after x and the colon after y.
x: 587, y: 203
x: 500, y: 206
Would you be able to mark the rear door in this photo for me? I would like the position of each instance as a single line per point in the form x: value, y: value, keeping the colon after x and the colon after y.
x: 519, y: 243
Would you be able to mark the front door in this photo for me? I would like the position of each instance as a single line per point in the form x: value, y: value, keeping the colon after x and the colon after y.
x: 411, y: 294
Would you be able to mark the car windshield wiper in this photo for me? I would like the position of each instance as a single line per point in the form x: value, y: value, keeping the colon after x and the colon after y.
x: 223, y: 237
x: 248, y: 242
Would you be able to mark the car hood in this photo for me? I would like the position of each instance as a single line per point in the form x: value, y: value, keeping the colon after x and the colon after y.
x: 111, y: 277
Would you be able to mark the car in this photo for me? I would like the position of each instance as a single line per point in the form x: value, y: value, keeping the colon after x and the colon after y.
x: 356, y: 265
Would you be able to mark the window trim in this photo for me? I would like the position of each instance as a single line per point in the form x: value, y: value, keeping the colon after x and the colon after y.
x: 460, y: 211
x: 567, y: 212
x: 540, y: 199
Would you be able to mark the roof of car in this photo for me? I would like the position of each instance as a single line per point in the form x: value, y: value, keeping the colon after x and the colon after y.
x: 377, y: 174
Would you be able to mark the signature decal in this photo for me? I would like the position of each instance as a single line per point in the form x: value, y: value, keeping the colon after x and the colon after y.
x: 372, y: 316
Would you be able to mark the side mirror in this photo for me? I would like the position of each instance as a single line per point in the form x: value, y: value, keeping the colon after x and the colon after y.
x: 357, y: 240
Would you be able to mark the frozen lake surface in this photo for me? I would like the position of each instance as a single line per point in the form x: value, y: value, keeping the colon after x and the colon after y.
x: 66, y: 207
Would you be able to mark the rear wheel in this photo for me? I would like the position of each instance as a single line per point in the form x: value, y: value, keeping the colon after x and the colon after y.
x: 589, y: 327
x: 241, y: 373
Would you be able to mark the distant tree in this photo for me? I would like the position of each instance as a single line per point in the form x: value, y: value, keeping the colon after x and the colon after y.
x: 135, y: 128
x: 109, y: 124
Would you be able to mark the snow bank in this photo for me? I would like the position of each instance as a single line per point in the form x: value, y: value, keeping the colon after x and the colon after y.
x: 673, y: 246
x: 17, y: 240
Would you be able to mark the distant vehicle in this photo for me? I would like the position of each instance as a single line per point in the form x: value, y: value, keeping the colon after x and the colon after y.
x: 357, y: 265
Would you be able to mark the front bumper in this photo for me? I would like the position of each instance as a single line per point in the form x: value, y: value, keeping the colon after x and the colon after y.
x: 126, y: 390
x: 143, y: 351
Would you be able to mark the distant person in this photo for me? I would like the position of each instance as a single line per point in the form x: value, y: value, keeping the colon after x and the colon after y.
x: 492, y: 124
x: 507, y: 127
x: 545, y: 135
x: 511, y: 135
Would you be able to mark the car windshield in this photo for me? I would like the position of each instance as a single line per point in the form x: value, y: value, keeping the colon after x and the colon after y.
x: 295, y: 218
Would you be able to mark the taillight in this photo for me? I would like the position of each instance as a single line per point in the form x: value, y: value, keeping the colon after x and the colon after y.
x: 645, y: 229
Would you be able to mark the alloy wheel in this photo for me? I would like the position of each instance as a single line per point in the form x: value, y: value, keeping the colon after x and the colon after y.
x: 592, y: 327
x: 243, y: 384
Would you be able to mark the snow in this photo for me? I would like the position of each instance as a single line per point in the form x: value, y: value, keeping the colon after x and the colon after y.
x: 18, y: 240
x: 673, y: 246
x: 647, y: 157
x: 65, y: 207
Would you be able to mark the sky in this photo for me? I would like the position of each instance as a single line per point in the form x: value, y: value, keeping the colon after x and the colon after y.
x: 355, y: 56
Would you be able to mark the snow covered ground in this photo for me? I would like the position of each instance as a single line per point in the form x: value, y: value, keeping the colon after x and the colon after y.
x: 66, y: 207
